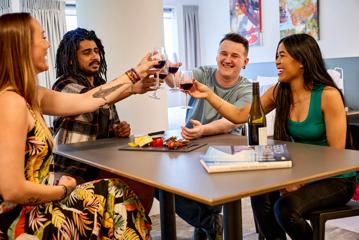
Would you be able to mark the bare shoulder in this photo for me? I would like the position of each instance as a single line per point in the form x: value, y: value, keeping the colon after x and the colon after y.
x: 330, y: 94
x: 12, y: 105
x: 11, y: 99
x: 331, y: 98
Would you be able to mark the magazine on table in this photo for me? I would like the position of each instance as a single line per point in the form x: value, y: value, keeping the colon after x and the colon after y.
x: 229, y: 158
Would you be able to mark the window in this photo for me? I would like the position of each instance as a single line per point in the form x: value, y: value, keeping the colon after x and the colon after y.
x: 170, y: 31
x: 71, y: 15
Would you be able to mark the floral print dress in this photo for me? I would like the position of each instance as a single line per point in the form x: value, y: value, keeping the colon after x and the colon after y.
x: 101, y: 209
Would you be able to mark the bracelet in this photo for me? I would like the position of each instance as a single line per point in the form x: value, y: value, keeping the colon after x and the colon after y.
x: 64, y: 195
x: 67, y: 191
x: 133, y: 75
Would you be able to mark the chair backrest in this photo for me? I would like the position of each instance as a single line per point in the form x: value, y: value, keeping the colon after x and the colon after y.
x: 354, y: 131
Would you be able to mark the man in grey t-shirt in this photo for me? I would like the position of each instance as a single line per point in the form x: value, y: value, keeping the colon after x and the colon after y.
x: 204, y: 120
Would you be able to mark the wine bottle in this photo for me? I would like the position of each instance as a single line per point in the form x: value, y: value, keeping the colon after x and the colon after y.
x: 257, y: 125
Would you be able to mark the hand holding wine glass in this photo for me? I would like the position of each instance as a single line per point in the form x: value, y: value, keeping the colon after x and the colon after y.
x: 199, y: 90
x: 186, y: 84
x: 160, y: 56
x: 172, y: 69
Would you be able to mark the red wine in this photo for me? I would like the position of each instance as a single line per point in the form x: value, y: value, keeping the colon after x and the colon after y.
x: 172, y: 70
x: 162, y: 75
x: 160, y: 64
x: 186, y: 86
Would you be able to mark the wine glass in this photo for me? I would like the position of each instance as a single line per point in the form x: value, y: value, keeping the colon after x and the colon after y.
x: 172, y: 70
x: 186, y: 83
x: 160, y: 55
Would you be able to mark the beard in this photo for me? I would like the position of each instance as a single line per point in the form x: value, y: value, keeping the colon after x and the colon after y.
x: 90, y: 73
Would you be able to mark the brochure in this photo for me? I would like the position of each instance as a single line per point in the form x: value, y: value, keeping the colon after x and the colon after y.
x: 242, y: 158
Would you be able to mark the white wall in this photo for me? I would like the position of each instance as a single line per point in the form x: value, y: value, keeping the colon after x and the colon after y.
x: 128, y: 29
x: 339, y: 36
x: 178, y: 4
x: 214, y: 23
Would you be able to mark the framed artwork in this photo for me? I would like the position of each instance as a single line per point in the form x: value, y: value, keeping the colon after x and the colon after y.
x: 299, y: 16
x: 246, y: 19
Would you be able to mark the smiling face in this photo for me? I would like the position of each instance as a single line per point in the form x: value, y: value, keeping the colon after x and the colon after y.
x: 231, y: 58
x: 39, y: 47
x: 288, y: 68
x: 88, y: 57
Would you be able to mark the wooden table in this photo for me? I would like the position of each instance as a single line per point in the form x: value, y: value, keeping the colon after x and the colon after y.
x: 182, y: 174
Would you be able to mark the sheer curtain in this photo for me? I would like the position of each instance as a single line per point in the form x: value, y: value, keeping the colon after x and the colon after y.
x: 191, y: 37
x: 51, y: 15
x: 5, y: 6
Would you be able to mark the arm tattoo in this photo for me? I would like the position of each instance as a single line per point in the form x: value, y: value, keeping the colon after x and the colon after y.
x: 103, y: 93
x: 32, y: 201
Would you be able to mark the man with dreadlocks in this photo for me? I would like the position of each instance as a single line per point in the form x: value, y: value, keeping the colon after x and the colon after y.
x: 81, y: 66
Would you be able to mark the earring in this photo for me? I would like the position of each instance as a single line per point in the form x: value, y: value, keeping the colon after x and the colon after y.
x: 244, y: 67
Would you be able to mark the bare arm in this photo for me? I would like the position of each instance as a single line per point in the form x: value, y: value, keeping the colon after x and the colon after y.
x: 15, y: 122
x: 334, y: 117
x: 62, y: 104
x: 216, y: 127
x: 228, y: 110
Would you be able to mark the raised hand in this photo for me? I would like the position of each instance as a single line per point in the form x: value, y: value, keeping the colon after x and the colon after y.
x: 192, y: 133
x: 145, y: 85
x: 145, y: 65
x: 199, y: 90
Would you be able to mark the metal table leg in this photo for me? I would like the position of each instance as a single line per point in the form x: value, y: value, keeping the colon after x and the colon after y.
x: 232, y: 213
x: 167, y: 215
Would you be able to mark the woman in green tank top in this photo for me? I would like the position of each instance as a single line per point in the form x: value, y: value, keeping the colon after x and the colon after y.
x: 309, y: 109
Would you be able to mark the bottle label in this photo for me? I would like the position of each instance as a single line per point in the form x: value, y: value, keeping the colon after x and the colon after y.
x: 262, y: 135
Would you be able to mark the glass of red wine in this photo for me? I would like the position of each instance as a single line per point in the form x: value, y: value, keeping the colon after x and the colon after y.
x: 160, y: 55
x: 172, y: 69
x: 186, y: 83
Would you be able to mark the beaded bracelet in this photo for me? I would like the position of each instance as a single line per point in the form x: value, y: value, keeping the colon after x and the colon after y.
x: 133, y: 75
x: 65, y: 192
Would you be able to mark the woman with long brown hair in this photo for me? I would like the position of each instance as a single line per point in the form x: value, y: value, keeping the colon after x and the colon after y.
x: 309, y: 109
x: 29, y: 203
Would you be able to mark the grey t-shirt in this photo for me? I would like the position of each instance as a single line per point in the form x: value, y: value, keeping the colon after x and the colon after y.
x: 240, y: 94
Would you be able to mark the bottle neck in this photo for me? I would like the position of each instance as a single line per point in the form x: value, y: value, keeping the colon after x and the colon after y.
x: 255, y: 89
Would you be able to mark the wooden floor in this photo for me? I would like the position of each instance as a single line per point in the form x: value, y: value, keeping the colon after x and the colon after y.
x: 342, y: 229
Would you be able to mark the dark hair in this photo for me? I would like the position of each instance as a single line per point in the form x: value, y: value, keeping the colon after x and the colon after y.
x: 235, y: 37
x: 305, y: 50
x: 66, y: 56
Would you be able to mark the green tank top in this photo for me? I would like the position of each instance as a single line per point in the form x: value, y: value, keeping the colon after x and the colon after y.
x: 312, y: 129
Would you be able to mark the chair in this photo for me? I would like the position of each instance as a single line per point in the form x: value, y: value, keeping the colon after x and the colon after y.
x: 318, y: 218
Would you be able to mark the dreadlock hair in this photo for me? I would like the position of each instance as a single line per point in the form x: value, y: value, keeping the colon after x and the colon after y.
x: 66, y: 56
x: 306, y: 51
